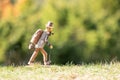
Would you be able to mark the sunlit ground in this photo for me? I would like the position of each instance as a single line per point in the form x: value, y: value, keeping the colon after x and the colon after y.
x: 66, y: 72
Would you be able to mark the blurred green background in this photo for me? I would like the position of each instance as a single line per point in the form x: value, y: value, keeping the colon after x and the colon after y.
x: 85, y: 30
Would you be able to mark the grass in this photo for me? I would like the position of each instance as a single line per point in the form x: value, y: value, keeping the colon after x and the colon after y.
x: 66, y: 72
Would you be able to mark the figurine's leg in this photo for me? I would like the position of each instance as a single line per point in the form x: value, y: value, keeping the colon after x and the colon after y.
x: 34, y: 55
x: 44, y: 53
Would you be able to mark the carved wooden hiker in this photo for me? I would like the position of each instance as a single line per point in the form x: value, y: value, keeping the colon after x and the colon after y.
x: 37, y: 42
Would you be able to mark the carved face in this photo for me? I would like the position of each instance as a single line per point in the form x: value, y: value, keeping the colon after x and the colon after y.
x: 49, y: 29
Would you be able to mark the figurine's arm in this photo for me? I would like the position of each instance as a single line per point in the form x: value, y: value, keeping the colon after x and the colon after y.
x: 50, y: 45
x: 47, y: 42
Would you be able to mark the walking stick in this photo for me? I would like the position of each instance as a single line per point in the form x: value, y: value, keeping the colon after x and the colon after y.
x: 49, y: 60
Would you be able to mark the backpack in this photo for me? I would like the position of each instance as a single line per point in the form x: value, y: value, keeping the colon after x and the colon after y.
x: 34, y: 40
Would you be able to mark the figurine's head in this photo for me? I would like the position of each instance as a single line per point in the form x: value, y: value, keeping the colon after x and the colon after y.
x: 49, y: 26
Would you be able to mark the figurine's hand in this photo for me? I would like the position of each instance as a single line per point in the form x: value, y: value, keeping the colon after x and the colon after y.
x: 51, y: 47
x: 31, y: 46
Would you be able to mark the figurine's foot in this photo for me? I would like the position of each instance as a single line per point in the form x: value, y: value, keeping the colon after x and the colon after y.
x: 47, y: 63
x: 30, y: 64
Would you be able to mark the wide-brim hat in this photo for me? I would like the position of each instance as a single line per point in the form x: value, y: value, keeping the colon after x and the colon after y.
x: 49, y: 24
